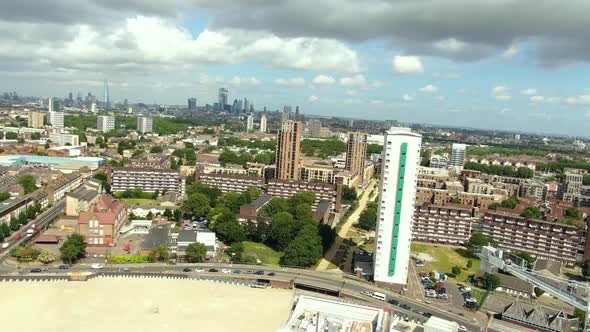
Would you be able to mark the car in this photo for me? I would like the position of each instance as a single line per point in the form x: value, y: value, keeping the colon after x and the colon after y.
x: 405, y: 306
x: 236, y: 272
x: 272, y: 274
x: 96, y: 266
x: 366, y: 292
x: 213, y: 270
x: 18, y: 237
x: 199, y: 270
x: 443, y: 296
x: 63, y: 267
x: 419, y: 263
x: 186, y: 269
x: 427, y: 314
x: 225, y: 271
x: 259, y: 273
x: 465, y: 289
x: 249, y: 272
x: 393, y: 302
x: 36, y: 270
x: 462, y: 328
x: 5, y: 245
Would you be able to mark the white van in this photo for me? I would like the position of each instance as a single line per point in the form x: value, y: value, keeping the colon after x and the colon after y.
x: 5, y: 245
x: 379, y: 296
x: 30, y: 232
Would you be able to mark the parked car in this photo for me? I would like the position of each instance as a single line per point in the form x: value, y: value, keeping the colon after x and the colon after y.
x: 226, y: 271
x: 96, y: 266
x: 199, y: 270
x: 272, y: 274
x: 430, y: 293
x: 5, y: 245
x: 186, y: 269
x: 38, y: 269
x: 236, y: 272
x: 213, y: 270
x: 405, y: 306
x: 18, y: 237
x: 366, y: 293
x: 259, y: 272
x: 427, y: 314
x: 63, y: 267
x: 443, y: 296
x: 462, y: 328
x: 393, y: 302
x: 419, y: 263
x: 465, y: 289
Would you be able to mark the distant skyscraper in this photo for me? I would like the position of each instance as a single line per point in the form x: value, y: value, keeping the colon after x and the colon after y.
x: 284, y: 116
x: 70, y: 96
x: 144, y: 124
x: 246, y: 105
x: 356, y: 154
x: 53, y: 105
x: 297, y: 117
x: 249, y: 122
x: 315, y: 126
x: 458, y: 153
x: 287, y: 109
x: 107, y: 101
x: 401, y: 155
x: 235, y: 108
x: 240, y: 105
x: 192, y: 104
x: 222, y: 98
x: 263, y: 124
x: 288, y: 145
x: 93, y: 108
x: 251, y: 110
x: 105, y: 123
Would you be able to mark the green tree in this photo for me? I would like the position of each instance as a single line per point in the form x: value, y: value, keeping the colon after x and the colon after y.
x: 573, y: 213
x: 469, y: 263
x: 456, y: 270
x: 11, y: 135
x: 479, y: 240
x: 305, y: 249
x: 532, y: 212
x: 156, y: 149
x: 36, y: 136
x: 490, y: 281
x: 230, y: 230
x: 4, y: 196
x: 303, y: 212
x: 274, y: 206
x: 197, y: 204
x: 525, y: 256
x: 5, y: 229
x: 281, y: 231
x: 581, y: 315
x: 159, y: 254
x: 586, y: 268
x: 348, y: 195
x: 368, y: 218
x: 196, y: 252
x: 73, y: 248
x: 46, y: 257
x: 232, y: 200
x: 28, y: 183
x: 236, y: 251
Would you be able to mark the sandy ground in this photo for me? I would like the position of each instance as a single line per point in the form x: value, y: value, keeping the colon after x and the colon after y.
x: 145, y: 305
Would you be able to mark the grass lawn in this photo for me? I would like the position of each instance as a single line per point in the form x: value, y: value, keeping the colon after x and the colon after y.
x: 446, y: 258
x: 262, y: 252
x: 478, y: 294
x: 332, y: 266
x: 140, y: 201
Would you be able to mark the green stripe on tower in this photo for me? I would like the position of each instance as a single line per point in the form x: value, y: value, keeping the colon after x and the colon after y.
x: 398, y: 205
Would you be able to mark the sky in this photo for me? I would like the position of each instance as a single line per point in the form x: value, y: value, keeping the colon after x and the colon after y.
x: 519, y: 65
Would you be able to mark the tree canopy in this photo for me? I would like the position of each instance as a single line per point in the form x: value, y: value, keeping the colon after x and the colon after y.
x: 28, y: 183
x: 196, y: 252
x: 73, y: 248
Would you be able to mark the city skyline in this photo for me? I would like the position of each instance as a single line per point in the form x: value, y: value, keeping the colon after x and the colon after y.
x: 512, y: 74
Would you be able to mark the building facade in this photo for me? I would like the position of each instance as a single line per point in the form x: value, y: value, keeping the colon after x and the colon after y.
x: 356, y: 154
x: 100, y: 225
x: 442, y: 224
x: 250, y: 123
x: 458, y: 154
x: 144, y: 124
x: 401, y: 157
x: 146, y: 179
x: 263, y: 124
x: 287, y: 188
x: 544, y: 240
x: 64, y: 139
x: 288, y: 150
x: 36, y: 119
x: 105, y: 123
x: 56, y: 119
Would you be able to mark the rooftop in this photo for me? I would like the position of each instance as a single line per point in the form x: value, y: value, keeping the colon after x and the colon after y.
x: 158, y: 236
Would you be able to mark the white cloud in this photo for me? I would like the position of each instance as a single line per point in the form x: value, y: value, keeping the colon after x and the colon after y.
x: 407, y: 65
x: 140, y: 41
x: 501, y: 93
x: 429, y: 88
x: 579, y: 100
x: 528, y: 92
x: 237, y: 81
x: 313, y: 99
x: 447, y: 75
x: 510, y: 52
x: 407, y: 98
x: 545, y: 100
x: 377, y: 102
x: 295, y: 82
x: 324, y: 79
x: 359, y: 81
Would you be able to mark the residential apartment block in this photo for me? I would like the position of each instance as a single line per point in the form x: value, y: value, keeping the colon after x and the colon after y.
x: 150, y: 160
x: 442, y: 224
x: 323, y: 191
x: 146, y: 179
x: 546, y: 240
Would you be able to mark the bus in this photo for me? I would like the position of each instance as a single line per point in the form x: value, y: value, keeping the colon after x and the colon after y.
x: 379, y: 296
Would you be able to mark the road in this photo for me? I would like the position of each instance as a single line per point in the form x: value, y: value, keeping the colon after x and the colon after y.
x: 41, y: 221
x: 349, y: 289
x: 363, y: 201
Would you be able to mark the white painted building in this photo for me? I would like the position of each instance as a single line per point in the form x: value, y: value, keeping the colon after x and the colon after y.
x: 56, y: 119
x: 105, y: 123
x: 263, y: 124
x: 458, y: 154
x: 401, y: 157
x: 144, y: 124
